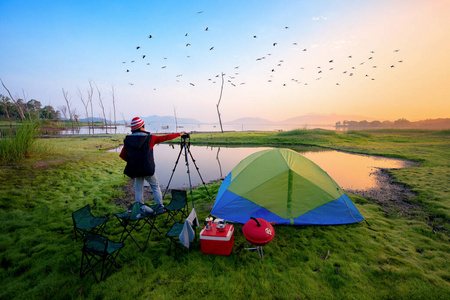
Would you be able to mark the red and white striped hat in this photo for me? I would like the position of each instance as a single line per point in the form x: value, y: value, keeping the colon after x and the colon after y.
x: 137, y: 123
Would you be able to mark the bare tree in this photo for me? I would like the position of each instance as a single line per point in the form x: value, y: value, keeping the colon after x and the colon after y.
x: 102, y: 106
x: 90, y: 97
x: 63, y: 110
x: 220, y: 98
x: 19, y: 107
x: 86, y: 107
x: 176, y: 120
x: 67, y: 99
x: 25, y: 106
x: 113, y: 94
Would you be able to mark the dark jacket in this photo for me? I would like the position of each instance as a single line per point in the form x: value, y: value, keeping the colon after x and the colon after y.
x: 140, y: 157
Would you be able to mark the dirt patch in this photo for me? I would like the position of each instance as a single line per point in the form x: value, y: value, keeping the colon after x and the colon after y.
x: 390, y: 195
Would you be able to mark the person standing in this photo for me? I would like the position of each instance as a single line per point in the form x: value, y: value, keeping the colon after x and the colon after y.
x: 137, y: 151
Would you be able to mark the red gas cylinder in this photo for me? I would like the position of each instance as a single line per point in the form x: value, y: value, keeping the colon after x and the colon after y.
x: 258, y: 231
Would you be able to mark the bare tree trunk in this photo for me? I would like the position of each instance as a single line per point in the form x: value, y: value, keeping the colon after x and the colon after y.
x: 63, y: 110
x: 90, y: 97
x: 66, y: 97
x: 176, y: 120
x: 19, y: 108
x: 220, y: 98
x: 113, y: 94
x: 25, y: 104
x: 86, y: 108
x: 102, y: 106
x: 123, y: 118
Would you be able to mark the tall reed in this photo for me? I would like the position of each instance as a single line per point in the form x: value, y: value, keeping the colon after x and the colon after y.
x: 19, y: 143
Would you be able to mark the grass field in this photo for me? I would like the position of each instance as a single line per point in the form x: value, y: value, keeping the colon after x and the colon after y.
x: 396, y: 257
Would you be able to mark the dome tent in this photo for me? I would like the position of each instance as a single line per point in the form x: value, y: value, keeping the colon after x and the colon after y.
x: 282, y: 186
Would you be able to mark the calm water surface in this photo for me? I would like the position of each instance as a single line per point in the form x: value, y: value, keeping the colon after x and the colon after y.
x: 350, y: 171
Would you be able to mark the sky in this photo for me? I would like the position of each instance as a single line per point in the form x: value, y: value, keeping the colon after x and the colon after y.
x: 384, y: 59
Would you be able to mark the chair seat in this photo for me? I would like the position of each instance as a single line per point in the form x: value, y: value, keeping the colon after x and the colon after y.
x: 98, y: 250
x: 83, y: 220
x: 175, y: 230
x: 134, y: 219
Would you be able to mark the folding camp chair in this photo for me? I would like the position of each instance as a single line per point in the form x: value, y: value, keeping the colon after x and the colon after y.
x: 183, y: 233
x: 98, y: 249
x: 83, y: 220
x: 178, y: 205
x: 134, y: 220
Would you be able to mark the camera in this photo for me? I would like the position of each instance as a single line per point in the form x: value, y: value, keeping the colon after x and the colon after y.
x: 186, y: 136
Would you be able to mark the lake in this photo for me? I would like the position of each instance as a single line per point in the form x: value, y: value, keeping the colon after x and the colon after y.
x: 169, y: 128
x: 350, y: 171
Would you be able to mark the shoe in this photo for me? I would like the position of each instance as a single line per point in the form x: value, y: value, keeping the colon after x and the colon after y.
x: 161, y: 210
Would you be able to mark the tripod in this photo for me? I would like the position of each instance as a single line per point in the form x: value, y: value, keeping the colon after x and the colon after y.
x: 185, y: 147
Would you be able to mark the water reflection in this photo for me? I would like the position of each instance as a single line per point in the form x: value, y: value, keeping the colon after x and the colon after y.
x: 350, y: 171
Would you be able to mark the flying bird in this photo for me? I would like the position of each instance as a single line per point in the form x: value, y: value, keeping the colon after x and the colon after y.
x: 188, y: 44
x: 254, y: 36
x: 186, y: 34
x: 143, y: 56
x: 128, y: 70
x: 137, y: 47
x: 211, y: 48
x: 150, y: 36
x: 163, y: 67
x: 274, y: 44
x: 206, y: 29
x: 192, y: 84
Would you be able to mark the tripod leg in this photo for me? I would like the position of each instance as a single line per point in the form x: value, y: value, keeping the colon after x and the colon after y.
x: 198, y: 171
x: 173, y: 171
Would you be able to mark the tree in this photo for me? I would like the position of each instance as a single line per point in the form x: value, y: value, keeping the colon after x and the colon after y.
x: 67, y: 99
x: 19, y: 108
x: 86, y: 107
x: 102, y: 106
x: 49, y: 113
x: 63, y: 110
x: 90, y: 95
x: 113, y: 94
x: 220, y: 98
x: 34, y: 109
x: 4, y: 108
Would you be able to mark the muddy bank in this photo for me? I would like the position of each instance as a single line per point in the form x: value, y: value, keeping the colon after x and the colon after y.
x: 393, y: 197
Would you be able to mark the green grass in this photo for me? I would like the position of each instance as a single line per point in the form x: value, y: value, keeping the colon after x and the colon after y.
x: 395, y: 258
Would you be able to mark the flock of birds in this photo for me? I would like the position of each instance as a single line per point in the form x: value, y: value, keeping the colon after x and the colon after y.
x: 333, y: 67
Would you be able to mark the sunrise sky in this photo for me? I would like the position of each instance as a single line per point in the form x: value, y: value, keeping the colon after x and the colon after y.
x: 384, y: 59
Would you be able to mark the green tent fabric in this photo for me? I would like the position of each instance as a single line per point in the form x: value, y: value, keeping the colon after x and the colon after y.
x: 282, y: 186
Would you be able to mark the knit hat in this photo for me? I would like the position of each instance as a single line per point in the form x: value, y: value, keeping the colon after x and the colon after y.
x: 137, y: 123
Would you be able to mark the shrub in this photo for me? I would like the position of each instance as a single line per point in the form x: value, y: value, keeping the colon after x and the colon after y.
x: 18, y: 144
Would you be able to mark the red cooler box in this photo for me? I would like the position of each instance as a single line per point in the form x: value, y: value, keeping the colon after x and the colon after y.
x: 217, y: 242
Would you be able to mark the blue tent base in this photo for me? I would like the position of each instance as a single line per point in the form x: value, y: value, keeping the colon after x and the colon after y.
x: 239, y: 210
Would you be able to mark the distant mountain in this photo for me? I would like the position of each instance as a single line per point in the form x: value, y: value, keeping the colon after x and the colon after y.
x: 324, y: 119
x: 312, y: 119
x: 249, y: 121
x: 169, y: 120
